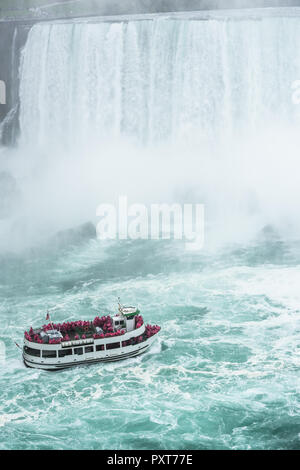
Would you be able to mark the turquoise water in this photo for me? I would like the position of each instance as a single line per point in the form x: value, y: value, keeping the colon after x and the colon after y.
x: 224, y: 373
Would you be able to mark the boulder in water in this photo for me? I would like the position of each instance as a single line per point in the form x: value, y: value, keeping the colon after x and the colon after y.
x: 74, y: 236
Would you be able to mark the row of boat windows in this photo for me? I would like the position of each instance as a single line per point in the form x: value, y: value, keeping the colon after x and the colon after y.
x: 69, y: 352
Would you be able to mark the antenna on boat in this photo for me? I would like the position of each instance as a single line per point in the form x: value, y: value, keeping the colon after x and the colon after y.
x: 120, y: 306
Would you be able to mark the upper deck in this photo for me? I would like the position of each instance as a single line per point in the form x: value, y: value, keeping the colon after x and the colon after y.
x: 103, y: 330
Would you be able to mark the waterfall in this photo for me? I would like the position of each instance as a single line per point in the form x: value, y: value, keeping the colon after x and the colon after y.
x: 158, y: 78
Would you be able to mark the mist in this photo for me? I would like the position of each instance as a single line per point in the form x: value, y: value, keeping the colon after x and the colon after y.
x: 244, y: 187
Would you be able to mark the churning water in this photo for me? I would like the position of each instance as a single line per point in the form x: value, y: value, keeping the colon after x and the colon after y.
x: 189, y: 108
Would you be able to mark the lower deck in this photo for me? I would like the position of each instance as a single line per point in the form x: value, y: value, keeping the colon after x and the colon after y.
x: 86, y: 356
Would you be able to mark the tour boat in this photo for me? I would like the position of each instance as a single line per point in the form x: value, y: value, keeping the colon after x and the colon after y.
x: 105, y: 339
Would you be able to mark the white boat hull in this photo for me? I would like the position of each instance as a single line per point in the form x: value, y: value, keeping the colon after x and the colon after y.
x: 92, y: 358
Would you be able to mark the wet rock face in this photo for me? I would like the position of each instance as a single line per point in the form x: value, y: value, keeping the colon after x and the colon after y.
x: 9, y: 194
x: 12, y: 39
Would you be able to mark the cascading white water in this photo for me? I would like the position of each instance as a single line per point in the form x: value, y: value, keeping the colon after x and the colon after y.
x: 157, y: 78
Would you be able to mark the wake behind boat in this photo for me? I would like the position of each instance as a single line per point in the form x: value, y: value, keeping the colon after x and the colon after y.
x: 105, y: 339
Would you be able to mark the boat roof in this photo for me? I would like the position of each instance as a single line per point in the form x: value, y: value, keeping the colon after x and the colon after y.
x: 129, y: 310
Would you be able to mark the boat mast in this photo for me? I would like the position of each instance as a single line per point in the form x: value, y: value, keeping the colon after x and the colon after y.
x: 120, y: 306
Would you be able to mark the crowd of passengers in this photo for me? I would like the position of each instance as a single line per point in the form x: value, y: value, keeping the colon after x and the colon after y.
x: 85, y: 329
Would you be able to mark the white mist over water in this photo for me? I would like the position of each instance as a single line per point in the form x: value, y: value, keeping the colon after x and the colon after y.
x: 161, y: 109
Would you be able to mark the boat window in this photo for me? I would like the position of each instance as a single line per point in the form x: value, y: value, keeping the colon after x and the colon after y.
x: 100, y: 347
x: 89, y: 349
x: 47, y: 353
x: 113, y: 346
x: 78, y: 351
x: 65, y: 352
x: 32, y: 352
